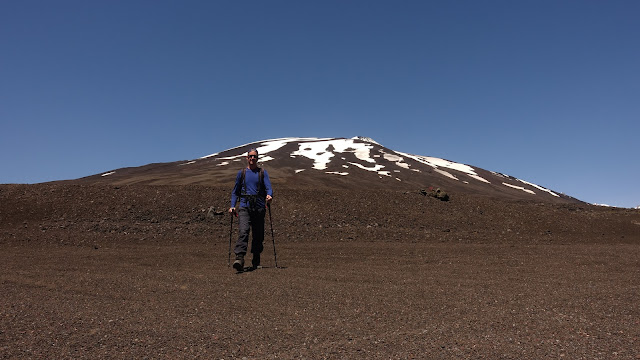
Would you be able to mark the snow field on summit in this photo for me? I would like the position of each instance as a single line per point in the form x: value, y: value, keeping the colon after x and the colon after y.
x: 324, y: 150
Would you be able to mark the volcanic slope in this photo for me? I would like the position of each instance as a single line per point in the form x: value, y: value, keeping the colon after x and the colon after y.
x: 335, y: 163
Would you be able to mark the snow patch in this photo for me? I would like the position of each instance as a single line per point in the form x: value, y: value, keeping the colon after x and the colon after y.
x: 234, y: 158
x: 109, y: 173
x: 539, y: 188
x: 223, y: 163
x: 275, y: 144
x: 519, y: 188
x: 442, y: 163
x: 299, y: 170
x: 208, y: 156
x: 267, y: 146
x: 188, y: 163
x: 445, y: 173
x: 337, y: 173
x: 480, y: 179
x: 398, y: 160
x: 375, y: 168
x: 363, y: 138
x: 391, y: 157
x: 319, y: 153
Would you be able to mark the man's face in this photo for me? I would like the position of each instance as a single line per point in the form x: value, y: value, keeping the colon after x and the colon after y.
x: 252, y: 157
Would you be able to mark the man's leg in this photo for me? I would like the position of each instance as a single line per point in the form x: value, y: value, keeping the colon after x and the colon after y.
x: 243, y: 238
x: 257, y: 232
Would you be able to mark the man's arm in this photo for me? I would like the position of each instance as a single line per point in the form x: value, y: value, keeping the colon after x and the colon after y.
x: 267, y: 187
x: 235, y: 193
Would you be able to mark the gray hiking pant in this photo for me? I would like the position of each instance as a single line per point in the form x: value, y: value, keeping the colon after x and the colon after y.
x: 250, y: 220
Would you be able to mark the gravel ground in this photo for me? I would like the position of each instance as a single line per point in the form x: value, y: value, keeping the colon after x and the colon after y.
x: 141, y: 272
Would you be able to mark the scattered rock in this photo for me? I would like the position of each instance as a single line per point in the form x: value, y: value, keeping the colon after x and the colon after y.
x: 212, y: 212
x: 435, y: 193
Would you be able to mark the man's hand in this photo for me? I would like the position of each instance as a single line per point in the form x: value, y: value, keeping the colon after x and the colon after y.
x: 269, y: 198
x: 232, y: 210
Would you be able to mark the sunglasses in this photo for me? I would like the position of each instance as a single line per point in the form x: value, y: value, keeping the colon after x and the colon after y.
x: 252, y: 156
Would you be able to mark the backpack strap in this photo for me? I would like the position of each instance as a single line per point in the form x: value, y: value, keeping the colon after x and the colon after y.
x: 261, y: 187
x: 243, y: 190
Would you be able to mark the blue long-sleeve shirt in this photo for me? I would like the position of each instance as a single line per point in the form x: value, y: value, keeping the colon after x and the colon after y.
x: 251, y: 179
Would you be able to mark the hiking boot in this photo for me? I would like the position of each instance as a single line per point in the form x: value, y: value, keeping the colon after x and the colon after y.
x: 239, y: 263
x: 255, y: 261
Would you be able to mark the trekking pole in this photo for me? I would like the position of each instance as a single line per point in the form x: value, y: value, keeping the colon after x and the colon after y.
x: 230, y: 235
x: 273, y: 239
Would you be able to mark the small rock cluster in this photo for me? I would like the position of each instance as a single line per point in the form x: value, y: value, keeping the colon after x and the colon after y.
x: 435, y: 193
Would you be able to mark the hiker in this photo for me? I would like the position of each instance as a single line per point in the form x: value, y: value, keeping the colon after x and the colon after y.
x: 253, y: 190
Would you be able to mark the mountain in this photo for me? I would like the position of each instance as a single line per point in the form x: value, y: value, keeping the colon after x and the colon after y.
x: 355, y: 163
x: 364, y: 270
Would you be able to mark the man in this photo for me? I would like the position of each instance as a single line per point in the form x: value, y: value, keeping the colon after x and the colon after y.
x: 253, y: 190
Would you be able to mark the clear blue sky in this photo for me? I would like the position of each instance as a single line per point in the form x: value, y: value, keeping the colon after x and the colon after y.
x: 546, y: 91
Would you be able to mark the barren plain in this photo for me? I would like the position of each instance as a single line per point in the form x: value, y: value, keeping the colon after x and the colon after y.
x: 119, y: 272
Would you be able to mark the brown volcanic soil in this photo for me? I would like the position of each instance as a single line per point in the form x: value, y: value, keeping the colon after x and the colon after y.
x: 99, y: 271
